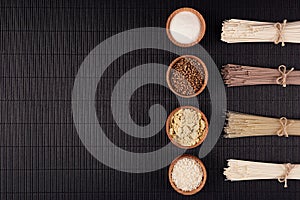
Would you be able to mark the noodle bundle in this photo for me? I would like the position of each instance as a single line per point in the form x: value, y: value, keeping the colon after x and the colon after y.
x: 240, y: 170
x: 236, y: 30
x: 238, y: 75
x: 244, y: 125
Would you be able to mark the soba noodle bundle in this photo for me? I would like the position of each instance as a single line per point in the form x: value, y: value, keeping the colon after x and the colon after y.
x: 238, y: 75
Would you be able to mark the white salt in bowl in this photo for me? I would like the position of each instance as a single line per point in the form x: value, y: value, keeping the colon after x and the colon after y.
x: 185, y: 27
x: 204, y: 177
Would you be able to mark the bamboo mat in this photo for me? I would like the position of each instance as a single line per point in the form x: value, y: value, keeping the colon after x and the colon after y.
x: 43, y: 43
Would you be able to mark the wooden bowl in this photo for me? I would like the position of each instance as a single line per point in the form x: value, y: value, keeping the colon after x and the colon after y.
x: 168, y: 127
x: 204, y: 178
x: 202, y: 24
x: 168, y: 74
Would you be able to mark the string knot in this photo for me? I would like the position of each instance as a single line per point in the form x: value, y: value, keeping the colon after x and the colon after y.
x: 281, y: 80
x: 280, y: 29
x: 283, y: 179
x: 283, y: 127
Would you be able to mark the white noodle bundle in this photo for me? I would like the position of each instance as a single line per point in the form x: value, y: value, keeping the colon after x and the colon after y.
x: 240, y: 170
x: 235, y: 31
x: 244, y: 125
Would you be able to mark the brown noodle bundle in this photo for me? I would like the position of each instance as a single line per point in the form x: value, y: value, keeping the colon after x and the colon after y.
x: 238, y: 75
x: 244, y: 125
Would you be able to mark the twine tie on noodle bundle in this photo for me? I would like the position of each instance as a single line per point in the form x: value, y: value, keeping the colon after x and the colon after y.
x: 283, y: 78
x: 283, y: 179
x: 284, y: 125
x: 280, y: 29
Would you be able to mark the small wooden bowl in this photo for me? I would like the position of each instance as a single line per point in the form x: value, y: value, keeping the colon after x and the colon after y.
x: 168, y: 74
x: 202, y: 24
x: 204, y: 178
x: 168, y: 127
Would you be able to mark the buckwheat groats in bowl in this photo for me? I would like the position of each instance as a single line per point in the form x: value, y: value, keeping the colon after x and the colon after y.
x: 187, y: 174
x: 187, y: 127
x: 187, y: 76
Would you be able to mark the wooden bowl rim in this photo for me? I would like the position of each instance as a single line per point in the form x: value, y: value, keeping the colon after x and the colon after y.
x: 205, y: 75
x: 204, y: 133
x: 204, y: 178
x: 202, y: 23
